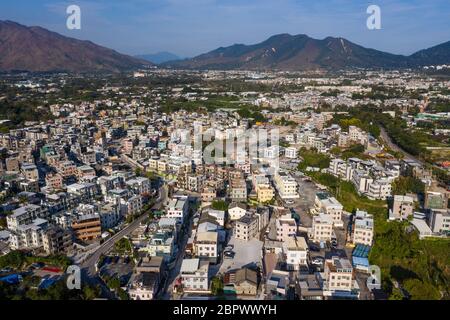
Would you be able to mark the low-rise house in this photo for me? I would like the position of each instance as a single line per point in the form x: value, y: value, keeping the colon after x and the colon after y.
x: 194, y: 275
x: 146, y: 281
x: 242, y: 282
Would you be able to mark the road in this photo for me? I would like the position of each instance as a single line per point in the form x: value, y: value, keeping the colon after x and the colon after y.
x: 166, y: 289
x: 88, y: 266
x: 393, y: 146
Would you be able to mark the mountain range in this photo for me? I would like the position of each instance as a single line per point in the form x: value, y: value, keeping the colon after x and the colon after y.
x: 300, y: 52
x: 159, y: 57
x: 36, y: 49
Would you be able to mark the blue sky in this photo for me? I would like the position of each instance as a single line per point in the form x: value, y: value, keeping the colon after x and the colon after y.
x: 191, y: 27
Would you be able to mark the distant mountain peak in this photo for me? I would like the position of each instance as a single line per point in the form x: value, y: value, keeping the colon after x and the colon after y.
x: 37, y: 49
x: 159, y: 57
x: 301, y: 52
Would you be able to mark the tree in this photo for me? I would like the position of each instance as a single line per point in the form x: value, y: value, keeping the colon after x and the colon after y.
x: 419, y: 290
x: 113, y: 283
x: 217, y: 286
x: 404, y: 185
x: 91, y: 292
x: 122, y: 294
x: 219, y: 205
x: 3, y: 223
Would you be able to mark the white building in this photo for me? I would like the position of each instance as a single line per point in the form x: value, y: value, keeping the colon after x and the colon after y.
x: 177, y: 209
x: 206, y: 245
x: 286, y: 228
x: 237, y: 210
x: 329, y: 205
x: 286, y: 186
x: 296, y: 252
x: 362, y: 228
x: 322, y: 228
x: 194, y: 275
x: 290, y: 153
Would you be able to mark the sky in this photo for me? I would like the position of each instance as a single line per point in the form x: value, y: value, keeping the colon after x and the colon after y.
x: 191, y: 27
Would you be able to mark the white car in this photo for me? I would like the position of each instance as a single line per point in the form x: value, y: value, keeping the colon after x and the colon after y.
x: 317, y: 261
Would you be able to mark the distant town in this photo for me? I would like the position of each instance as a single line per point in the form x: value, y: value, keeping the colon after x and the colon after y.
x: 106, y: 174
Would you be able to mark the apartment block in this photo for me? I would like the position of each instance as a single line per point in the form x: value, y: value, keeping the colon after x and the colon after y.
x: 362, y: 228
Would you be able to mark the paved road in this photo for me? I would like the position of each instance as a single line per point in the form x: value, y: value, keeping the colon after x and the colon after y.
x: 89, y: 265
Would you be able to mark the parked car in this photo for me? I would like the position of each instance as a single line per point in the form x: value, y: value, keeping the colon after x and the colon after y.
x: 229, y: 254
x: 318, y: 261
x: 334, y: 243
x: 314, y: 248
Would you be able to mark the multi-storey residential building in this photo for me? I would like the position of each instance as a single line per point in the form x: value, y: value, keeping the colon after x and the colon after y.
x: 439, y: 221
x: 237, y: 210
x: 177, y: 209
x: 161, y: 244
x: 339, y: 278
x: 357, y: 135
x: 290, y: 153
x: 380, y: 189
x: 208, y: 194
x: 145, y: 286
x: 194, y: 275
x: 25, y: 215
x: 238, y: 190
x: 206, y: 246
x: 54, y: 181
x: 322, y: 228
x: 286, y: 228
x: 67, y: 169
x: 342, y: 169
x: 296, y: 252
x: 402, y: 208
x: 362, y: 228
x: 286, y: 186
x: 140, y: 185
x: 246, y: 228
x: 329, y: 205
x: 264, y: 190
x: 56, y: 240
x: 30, y: 171
x: 28, y: 236
x: 87, y: 227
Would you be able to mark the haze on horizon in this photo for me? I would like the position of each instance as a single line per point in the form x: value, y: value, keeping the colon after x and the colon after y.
x: 192, y: 27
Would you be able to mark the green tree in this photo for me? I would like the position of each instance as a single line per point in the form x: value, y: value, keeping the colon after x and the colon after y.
x: 220, y: 205
x: 419, y: 290
x: 217, y: 286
